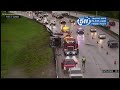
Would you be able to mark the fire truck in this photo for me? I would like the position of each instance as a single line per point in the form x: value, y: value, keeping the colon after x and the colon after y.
x: 70, y: 45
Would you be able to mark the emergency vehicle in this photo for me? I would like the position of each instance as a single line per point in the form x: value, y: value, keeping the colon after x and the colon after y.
x: 70, y: 45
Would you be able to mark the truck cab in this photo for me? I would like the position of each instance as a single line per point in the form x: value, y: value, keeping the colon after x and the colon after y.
x: 70, y: 46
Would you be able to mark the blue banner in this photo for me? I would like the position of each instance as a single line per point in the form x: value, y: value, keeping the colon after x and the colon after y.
x: 92, y: 21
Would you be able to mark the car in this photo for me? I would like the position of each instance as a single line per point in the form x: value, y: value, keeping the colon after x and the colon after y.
x: 38, y: 19
x: 75, y: 72
x: 59, y: 16
x: 108, y: 26
x: 45, y: 21
x: 102, y: 36
x: 113, y: 43
x: 54, y: 14
x: 68, y: 63
x: 63, y: 22
x: 71, y: 21
x: 80, y: 31
x: 52, y: 22
x: 64, y: 14
x: 40, y: 12
x: 112, y: 23
x: 45, y: 14
x: 70, y: 51
x: 93, y: 29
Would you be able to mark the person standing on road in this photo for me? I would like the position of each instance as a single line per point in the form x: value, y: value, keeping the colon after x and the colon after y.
x: 83, y: 61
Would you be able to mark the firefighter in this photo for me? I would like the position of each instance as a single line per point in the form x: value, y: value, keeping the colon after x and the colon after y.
x: 83, y: 61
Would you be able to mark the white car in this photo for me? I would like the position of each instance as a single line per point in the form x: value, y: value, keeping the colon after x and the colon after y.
x: 45, y: 21
x: 38, y: 19
x: 75, y: 72
x: 53, y: 22
x: 102, y: 36
x: 93, y: 30
x: 45, y: 14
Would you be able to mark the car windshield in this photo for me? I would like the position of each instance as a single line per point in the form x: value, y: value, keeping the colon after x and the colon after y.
x: 69, y: 62
x: 75, y: 71
x: 70, y: 48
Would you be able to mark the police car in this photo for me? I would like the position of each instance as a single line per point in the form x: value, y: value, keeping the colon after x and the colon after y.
x: 113, y: 43
x: 102, y: 36
x: 93, y: 29
x: 80, y: 31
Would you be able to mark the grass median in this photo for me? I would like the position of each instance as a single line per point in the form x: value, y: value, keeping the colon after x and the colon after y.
x: 24, y: 44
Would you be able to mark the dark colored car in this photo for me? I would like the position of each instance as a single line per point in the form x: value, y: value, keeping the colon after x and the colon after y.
x: 62, y: 22
x: 64, y: 14
x: 112, y: 23
x: 108, y: 26
x: 71, y: 21
x: 80, y: 31
x: 112, y: 44
x: 60, y: 16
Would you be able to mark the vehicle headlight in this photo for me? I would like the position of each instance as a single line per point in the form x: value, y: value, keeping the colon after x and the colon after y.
x: 73, y: 52
x: 67, y: 52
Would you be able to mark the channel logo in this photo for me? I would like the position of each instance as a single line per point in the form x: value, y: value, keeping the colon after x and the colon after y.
x: 92, y: 21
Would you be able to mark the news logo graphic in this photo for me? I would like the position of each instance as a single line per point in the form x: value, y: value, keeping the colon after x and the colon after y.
x: 92, y: 21
x: 11, y: 16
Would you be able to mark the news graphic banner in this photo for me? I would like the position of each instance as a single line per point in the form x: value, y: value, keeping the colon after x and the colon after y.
x: 92, y: 21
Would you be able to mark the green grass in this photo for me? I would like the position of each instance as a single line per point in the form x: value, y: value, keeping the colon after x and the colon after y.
x: 24, y: 43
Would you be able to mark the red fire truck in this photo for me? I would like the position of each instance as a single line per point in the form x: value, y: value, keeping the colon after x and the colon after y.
x: 70, y: 45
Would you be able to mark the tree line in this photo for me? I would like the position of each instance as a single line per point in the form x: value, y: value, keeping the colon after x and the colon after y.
x: 110, y: 14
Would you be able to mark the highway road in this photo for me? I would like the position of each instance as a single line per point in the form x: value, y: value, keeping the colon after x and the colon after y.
x: 97, y: 59
x: 115, y: 28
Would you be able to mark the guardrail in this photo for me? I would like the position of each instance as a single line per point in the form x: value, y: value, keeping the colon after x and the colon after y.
x: 113, y: 34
